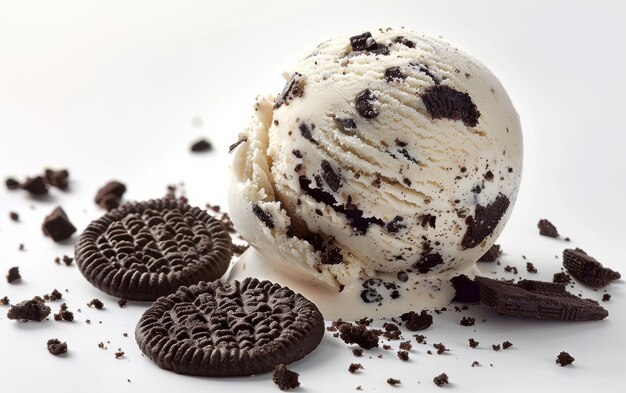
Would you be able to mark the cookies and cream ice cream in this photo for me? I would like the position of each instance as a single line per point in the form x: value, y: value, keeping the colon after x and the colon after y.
x: 386, y: 155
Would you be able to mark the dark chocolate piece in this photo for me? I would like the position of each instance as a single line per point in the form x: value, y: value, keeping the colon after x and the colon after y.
x: 467, y: 290
x: 359, y: 335
x: 58, y: 178
x: 57, y: 225
x: 264, y: 216
x: 564, y: 359
x: 394, y: 73
x: 537, y: 299
x: 546, y: 228
x: 445, y: 102
x: 56, y: 347
x: 293, y: 89
x: 29, y: 310
x: 428, y: 262
x: 587, y: 269
x: 441, y: 379
x: 285, y: 379
x: 415, y: 322
x: 307, y: 132
x: 330, y: 176
x: 201, y: 146
x: 11, y: 184
x: 354, y: 367
x: 346, y: 124
x: 484, y: 221
x: 35, y: 185
x: 364, y: 102
x: 13, y: 275
x: 110, y: 195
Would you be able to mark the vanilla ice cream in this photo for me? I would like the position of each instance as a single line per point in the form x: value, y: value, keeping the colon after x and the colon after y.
x: 387, y: 158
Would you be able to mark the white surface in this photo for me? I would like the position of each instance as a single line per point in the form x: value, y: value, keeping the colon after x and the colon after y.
x: 114, y: 91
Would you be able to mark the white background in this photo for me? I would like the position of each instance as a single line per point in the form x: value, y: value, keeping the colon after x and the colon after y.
x: 119, y: 89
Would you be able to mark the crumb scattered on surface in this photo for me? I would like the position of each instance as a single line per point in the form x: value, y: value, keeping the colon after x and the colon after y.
x: 441, y: 379
x: 56, y: 347
x: 473, y: 343
x: 285, y: 379
x: 564, y: 359
x: 96, y: 303
x: 393, y: 381
x: 354, y: 367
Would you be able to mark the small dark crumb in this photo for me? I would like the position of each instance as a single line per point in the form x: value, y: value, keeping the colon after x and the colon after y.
x: 12, y: 184
x: 403, y: 355
x: 4, y: 301
x: 567, y: 239
x: 13, y: 275
x: 507, y: 344
x: 35, y: 185
x: 406, y: 346
x: 358, y: 334
x: 119, y: 354
x: 564, y: 359
x: 386, y: 347
x: 440, y: 348
x: 441, y: 379
x: 414, y: 321
x: 101, y: 345
x: 239, y: 249
x: 67, y: 260
x: 510, y: 269
x: 57, y: 225
x: 96, y: 303
x: 122, y: 302
x: 354, y: 367
x: 496, y: 347
x: 420, y: 339
x: 546, y: 228
x: 358, y: 352
x: 54, y: 295
x: 201, y: 146
x: 56, y: 347
x: 562, y: 278
x: 284, y: 378
x: 475, y: 363
x: 530, y: 268
x: 21, y: 247
x: 88, y: 321
x: 264, y: 216
x: 110, y: 195
x: 605, y: 298
x: 125, y: 334
x: 393, y: 381
x: 359, y: 387
x: 468, y: 321
x: 14, y: 216
x: 473, y: 343
x: 64, y: 314
x: 57, y: 178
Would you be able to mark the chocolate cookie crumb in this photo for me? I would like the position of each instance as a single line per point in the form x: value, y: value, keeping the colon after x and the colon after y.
x: 64, y: 314
x: 364, y: 102
x: 354, y: 367
x: 496, y: 347
x: 293, y: 89
x: 13, y: 275
x: 587, y: 269
x: 564, y: 359
x: 546, y: 228
x: 406, y: 346
x: 561, y: 278
x: 29, y: 310
x: 110, y: 195
x: 57, y: 225
x: 122, y: 302
x: 403, y: 355
x: 440, y: 348
x: 307, y: 132
x: 358, y: 334
x: 96, y: 303
x: 507, y: 345
x: 35, y: 185
x: 605, y: 298
x: 4, y: 301
x: 54, y: 295
x: 14, y: 216
x: 473, y: 343
x: 445, y: 102
x: 393, y: 381
x: 530, y: 267
x: 466, y: 290
x: 420, y: 339
x: 284, y: 378
x: 264, y: 216
x: 119, y: 354
x: 57, y: 178
x: 511, y: 269
x: 331, y: 177
x: 394, y: 73
x: 201, y: 146
x: 358, y: 352
x: 11, y: 184
x: 441, y: 379
x: 484, y: 221
x: 415, y: 322
x: 492, y: 254
x: 475, y: 363
x: 56, y: 347
x: 467, y: 321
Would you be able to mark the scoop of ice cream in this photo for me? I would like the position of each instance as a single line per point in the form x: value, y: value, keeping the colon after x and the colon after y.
x: 390, y: 152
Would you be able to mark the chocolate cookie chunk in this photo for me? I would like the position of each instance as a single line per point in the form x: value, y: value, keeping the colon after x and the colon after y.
x: 587, y: 269
x: 29, y: 310
x: 484, y: 221
x: 546, y: 228
x: 35, y: 185
x: 56, y: 347
x: 537, y: 299
x: 57, y: 225
x: 58, y: 178
x: 144, y: 250
x: 445, y: 102
x: 364, y: 102
x: 285, y: 379
x: 229, y: 329
x: 293, y: 89
x: 110, y: 195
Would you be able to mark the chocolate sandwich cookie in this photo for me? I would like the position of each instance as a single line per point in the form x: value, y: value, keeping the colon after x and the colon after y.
x: 145, y: 250
x: 587, y: 269
x: 229, y: 329
x: 537, y: 299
